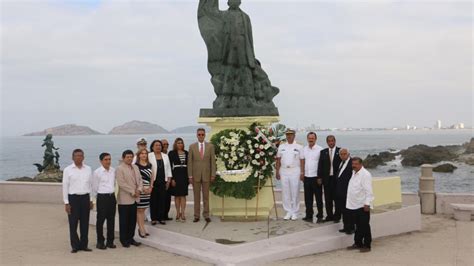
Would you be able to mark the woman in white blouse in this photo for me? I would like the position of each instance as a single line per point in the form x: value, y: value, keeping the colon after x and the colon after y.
x: 161, y: 177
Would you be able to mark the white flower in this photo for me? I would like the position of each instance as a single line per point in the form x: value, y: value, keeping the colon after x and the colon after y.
x: 270, y: 153
x: 252, y: 151
x: 261, y: 146
x: 255, y: 162
x: 233, y: 148
x: 256, y: 174
x: 234, y: 158
x: 241, y: 155
x: 264, y: 168
x: 262, y: 153
x: 226, y: 155
x: 249, y: 142
x: 257, y: 156
x: 256, y: 145
x: 262, y: 177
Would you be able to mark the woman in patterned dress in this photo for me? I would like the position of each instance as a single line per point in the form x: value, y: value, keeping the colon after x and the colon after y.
x: 145, y: 170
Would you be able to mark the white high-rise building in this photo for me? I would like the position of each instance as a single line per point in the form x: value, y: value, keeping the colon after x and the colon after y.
x: 438, y: 124
x: 461, y: 125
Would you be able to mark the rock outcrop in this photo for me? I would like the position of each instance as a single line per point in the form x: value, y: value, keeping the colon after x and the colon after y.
x: 137, y: 127
x: 66, y: 130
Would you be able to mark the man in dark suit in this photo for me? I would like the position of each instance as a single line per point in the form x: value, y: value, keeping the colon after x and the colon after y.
x: 344, y: 174
x: 327, y: 169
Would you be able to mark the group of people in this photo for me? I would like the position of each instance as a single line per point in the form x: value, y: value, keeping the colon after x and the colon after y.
x: 330, y: 173
x: 146, y: 180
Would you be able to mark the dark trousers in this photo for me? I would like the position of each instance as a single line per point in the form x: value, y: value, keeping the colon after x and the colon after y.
x: 168, y: 203
x: 158, y: 202
x: 339, y: 206
x: 313, y: 190
x: 363, y: 235
x: 127, y: 222
x: 80, y: 210
x: 346, y: 214
x: 329, y: 196
x: 106, y: 208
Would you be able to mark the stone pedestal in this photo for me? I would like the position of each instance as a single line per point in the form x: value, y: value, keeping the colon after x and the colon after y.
x: 218, y: 124
x: 233, y: 206
x: 427, y: 190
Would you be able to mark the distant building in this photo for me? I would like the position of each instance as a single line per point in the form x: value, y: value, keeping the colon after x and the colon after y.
x: 461, y: 125
x: 438, y: 124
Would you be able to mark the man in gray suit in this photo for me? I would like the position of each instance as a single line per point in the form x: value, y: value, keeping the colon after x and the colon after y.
x: 201, y: 172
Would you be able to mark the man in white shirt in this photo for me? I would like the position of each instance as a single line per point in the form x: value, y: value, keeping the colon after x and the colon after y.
x: 290, y: 166
x: 76, y: 190
x: 311, y: 187
x: 103, y: 188
x: 359, y: 202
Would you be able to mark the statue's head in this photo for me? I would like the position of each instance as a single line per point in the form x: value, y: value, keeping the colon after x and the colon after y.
x: 234, y: 4
x: 48, y: 137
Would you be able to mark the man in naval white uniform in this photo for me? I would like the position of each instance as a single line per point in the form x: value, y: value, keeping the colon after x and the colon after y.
x: 290, y: 170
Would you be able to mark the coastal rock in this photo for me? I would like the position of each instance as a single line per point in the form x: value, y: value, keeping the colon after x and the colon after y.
x: 445, y: 168
x: 66, y: 130
x: 55, y: 176
x: 374, y: 160
x: 21, y: 179
x: 469, y: 147
x: 420, y: 154
x: 138, y: 127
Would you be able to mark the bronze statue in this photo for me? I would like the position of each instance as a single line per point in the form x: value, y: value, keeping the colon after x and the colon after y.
x: 241, y: 85
x: 51, y: 156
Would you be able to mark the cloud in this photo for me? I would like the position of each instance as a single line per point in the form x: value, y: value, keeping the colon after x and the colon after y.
x: 102, y: 63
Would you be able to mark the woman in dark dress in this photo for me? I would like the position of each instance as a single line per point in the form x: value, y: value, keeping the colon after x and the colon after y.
x: 145, y: 170
x: 179, y: 183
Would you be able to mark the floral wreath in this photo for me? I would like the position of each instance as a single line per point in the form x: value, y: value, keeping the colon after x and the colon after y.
x: 244, y: 158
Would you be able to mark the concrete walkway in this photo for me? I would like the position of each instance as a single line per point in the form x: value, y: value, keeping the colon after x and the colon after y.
x: 38, y: 234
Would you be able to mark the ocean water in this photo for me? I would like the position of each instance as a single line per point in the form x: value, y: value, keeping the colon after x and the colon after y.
x: 19, y: 153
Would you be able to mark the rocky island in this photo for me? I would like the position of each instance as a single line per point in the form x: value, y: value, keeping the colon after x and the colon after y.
x: 137, y: 127
x: 66, y: 130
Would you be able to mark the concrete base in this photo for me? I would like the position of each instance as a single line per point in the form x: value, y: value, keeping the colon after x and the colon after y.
x: 463, y: 212
x: 311, y: 241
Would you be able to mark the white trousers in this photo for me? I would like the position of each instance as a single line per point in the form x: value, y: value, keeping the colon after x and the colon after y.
x: 290, y: 189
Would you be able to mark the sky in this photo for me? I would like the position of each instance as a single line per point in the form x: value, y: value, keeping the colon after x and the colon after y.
x: 337, y: 63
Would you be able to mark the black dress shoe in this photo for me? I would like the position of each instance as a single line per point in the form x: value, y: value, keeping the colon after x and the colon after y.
x: 126, y: 245
x: 337, y: 221
x: 365, y: 249
x: 86, y: 249
x: 162, y: 222
x: 328, y: 219
x: 101, y: 246
x: 349, y: 232
x: 111, y: 245
x: 196, y: 220
x: 153, y: 223
x: 168, y: 219
x: 342, y: 231
x: 308, y: 219
x: 74, y: 250
x: 135, y: 243
x: 208, y: 220
x: 319, y: 221
x: 353, y: 247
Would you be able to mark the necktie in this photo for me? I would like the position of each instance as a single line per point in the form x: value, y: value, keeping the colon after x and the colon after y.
x: 330, y: 155
x: 201, y: 150
x: 340, y: 168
